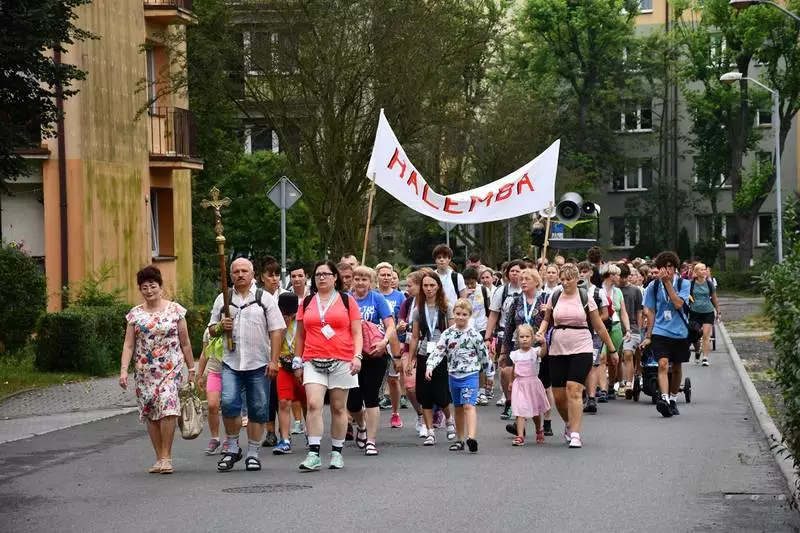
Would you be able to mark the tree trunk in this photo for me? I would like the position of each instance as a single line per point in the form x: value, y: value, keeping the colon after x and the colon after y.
x: 745, y: 224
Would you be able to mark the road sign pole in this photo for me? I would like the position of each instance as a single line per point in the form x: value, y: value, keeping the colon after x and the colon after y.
x: 448, y: 236
x: 283, y: 231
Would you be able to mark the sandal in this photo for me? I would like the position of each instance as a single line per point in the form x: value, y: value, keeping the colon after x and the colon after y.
x: 361, y: 438
x: 539, y: 436
x: 457, y: 446
x: 472, y: 445
x: 155, y: 469
x: 370, y: 448
x: 228, y: 460
x: 518, y: 441
x: 166, y: 467
x: 252, y: 464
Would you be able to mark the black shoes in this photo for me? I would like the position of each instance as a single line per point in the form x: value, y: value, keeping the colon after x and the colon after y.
x: 548, y: 428
x: 663, y: 407
x: 591, y: 406
x: 673, y: 408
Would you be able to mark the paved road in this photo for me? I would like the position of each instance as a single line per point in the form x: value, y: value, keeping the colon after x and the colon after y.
x: 636, y: 472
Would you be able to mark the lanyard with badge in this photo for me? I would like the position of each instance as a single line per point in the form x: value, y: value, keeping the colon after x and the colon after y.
x: 430, y: 346
x: 290, y: 335
x: 528, y: 313
x: 327, y: 330
x: 667, y: 311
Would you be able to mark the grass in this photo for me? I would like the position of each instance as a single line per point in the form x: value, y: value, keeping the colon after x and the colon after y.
x: 756, y: 322
x: 18, y: 373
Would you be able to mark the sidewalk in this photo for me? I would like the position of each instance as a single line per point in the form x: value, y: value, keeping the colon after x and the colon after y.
x: 41, y: 411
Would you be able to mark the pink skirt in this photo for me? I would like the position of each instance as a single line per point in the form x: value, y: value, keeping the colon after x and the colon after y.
x: 528, y: 397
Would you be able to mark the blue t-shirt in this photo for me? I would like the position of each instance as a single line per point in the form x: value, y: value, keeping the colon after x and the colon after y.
x: 656, y: 298
x: 374, y: 308
x: 395, y: 299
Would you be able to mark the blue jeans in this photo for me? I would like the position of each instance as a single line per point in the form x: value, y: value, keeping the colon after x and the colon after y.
x: 256, y: 388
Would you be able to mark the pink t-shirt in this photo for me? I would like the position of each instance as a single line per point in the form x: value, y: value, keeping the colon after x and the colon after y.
x: 570, y: 312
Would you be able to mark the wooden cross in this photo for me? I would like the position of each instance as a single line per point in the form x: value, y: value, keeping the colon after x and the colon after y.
x: 217, y: 204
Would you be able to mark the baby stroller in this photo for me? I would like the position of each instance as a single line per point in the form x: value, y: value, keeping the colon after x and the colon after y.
x: 648, y: 381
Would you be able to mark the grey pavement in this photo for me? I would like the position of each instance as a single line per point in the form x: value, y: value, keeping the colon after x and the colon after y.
x: 707, y: 470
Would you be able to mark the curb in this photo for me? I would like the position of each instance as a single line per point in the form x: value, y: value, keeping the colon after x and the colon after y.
x: 783, y: 458
x: 109, y: 414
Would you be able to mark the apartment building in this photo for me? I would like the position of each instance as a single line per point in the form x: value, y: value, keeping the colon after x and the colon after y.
x: 115, y: 187
x: 669, y: 157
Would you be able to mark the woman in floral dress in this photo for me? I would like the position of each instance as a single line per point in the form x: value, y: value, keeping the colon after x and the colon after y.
x: 157, y: 340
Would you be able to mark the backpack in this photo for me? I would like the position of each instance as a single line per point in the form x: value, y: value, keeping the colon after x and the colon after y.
x: 257, y: 301
x: 711, y: 289
x: 584, y: 295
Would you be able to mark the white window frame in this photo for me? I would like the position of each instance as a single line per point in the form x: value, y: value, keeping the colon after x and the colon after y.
x: 759, y: 242
x: 645, y: 10
x: 639, y: 179
x: 638, y: 112
x: 724, y: 229
x: 154, y: 244
x: 627, y: 245
x: 723, y: 181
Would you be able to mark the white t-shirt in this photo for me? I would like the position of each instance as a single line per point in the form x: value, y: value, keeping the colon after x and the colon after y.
x: 479, y: 321
x: 447, y: 284
x: 549, y: 290
x: 503, y: 307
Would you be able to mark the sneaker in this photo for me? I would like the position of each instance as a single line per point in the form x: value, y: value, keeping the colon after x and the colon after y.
x: 673, y: 408
x: 548, y: 428
x: 567, y: 434
x: 271, y: 440
x: 403, y: 402
x: 430, y: 440
x: 575, y: 440
x: 697, y: 358
x: 501, y: 402
x: 423, y: 431
x: 337, y: 462
x: 591, y: 406
x: 489, y: 394
x: 506, y: 413
x: 298, y: 427
x: 419, y: 423
x: 283, y: 447
x: 214, y: 446
x: 612, y: 395
x: 451, y: 431
x: 396, y: 421
x: 622, y: 392
x: 539, y: 436
x: 311, y: 463
x: 662, y: 406
x: 482, y: 399
x: 602, y: 397
x: 385, y: 403
x: 438, y: 419
x: 512, y: 428
x: 705, y: 361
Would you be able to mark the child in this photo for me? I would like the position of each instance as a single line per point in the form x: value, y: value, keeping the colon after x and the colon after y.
x: 289, y: 389
x: 211, y: 359
x: 478, y: 296
x: 466, y: 356
x: 528, y: 397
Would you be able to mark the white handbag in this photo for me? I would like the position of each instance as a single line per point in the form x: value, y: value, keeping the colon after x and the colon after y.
x: 191, y: 419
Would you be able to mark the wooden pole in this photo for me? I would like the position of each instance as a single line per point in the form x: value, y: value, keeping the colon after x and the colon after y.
x: 369, y: 219
x: 218, y: 203
x: 547, y: 231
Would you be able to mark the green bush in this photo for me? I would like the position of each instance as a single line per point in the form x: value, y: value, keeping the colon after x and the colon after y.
x: 196, y: 321
x: 81, y: 339
x: 739, y: 280
x: 782, y: 291
x: 707, y: 251
x: 23, y: 297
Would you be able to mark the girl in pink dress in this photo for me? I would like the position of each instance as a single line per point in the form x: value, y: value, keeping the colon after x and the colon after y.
x: 528, y: 397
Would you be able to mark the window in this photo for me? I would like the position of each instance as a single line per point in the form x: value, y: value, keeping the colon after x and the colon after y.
x: 260, y: 139
x: 152, y: 74
x: 161, y: 222
x: 764, y: 230
x: 646, y: 6
x: 720, y: 183
x: 637, y: 117
x: 624, y: 231
x: 729, y: 229
x: 266, y: 51
x: 631, y: 60
x: 634, y: 177
x: 764, y: 118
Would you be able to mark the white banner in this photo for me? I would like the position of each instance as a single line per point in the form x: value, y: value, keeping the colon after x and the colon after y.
x: 526, y: 190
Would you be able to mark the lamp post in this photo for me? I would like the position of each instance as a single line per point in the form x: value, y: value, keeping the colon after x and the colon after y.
x: 731, y: 77
x: 744, y: 4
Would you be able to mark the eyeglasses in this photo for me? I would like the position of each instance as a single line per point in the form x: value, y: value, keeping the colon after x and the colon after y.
x: 321, y: 275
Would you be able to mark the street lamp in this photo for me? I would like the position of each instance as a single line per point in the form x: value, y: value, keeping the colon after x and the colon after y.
x: 744, y: 4
x: 731, y: 77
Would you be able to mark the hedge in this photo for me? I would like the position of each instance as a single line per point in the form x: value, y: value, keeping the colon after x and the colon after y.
x: 782, y: 292
x: 739, y: 280
x: 23, y: 297
x: 81, y: 339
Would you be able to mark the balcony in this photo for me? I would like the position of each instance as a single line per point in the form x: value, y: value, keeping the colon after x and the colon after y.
x: 173, y: 139
x: 168, y: 12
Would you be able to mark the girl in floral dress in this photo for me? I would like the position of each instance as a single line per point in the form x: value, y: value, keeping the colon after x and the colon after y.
x: 157, y: 340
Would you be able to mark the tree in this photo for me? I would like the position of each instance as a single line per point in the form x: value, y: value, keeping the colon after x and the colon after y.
x: 30, y: 77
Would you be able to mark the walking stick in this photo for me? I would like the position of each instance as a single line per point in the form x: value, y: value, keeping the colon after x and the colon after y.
x: 216, y: 203
x: 369, y: 219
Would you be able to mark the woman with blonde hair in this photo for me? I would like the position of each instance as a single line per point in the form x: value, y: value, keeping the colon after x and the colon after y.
x: 703, y: 308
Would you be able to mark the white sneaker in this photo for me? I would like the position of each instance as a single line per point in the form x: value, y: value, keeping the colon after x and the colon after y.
x: 423, y: 431
x: 575, y: 440
x: 501, y: 402
x: 419, y: 423
x: 298, y: 428
x: 430, y: 440
x: 451, y: 431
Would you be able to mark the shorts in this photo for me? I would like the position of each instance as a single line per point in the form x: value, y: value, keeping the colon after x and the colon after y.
x: 616, y: 336
x: 464, y: 390
x: 337, y: 377
x: 631, y: 344
x: 573, y: 368
x: 214, y: 382
x: 544, y: 372
x: 289, y: 388
x: 676, y: 350
x: 703, y: 318
x: 597, y: 345
x: 256, y: 387
x: 437, y: 390
x: 370, y: 379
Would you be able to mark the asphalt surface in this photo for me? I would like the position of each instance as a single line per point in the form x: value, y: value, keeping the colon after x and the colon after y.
x: 706, y: 470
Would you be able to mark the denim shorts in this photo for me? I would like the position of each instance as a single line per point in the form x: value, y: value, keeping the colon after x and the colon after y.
x: 464, y: 390
x: 256, y: 391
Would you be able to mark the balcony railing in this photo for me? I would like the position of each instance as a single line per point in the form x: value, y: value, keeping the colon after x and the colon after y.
x: 169, y: 4
x: 169, y: 12
x: 173, y: 135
